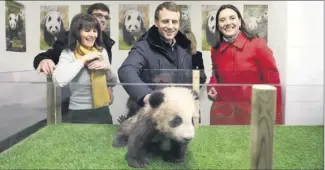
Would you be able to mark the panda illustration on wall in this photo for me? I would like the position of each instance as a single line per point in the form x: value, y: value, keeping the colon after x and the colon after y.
x: 53, y: 27
x: 133, y: 26
x: 22, y: 14
x: 164, y: 127
x: 185, y: 22
x: 15, y: 25
x: 185, y: 15
x: 211, y: 28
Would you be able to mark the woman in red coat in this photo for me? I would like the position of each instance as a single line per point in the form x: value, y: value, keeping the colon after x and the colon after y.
x: 240, y: 59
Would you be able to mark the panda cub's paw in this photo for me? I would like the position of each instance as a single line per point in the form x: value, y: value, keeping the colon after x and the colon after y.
x: 137, y: 162
x: 119, y: 141
x: 173, y: 159
x: 119, y: 144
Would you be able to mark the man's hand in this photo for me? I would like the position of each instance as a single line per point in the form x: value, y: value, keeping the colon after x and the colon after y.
x: 47, y: 66
x: 146, y: 99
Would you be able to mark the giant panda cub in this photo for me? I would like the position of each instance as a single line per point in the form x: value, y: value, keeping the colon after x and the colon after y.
x: 164, y: 127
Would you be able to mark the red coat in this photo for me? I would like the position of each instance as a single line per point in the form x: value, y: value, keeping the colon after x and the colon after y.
x: 242, y: 63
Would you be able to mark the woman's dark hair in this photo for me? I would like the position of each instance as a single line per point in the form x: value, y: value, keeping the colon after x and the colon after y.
x: 83, y: 21
x: 250, y: 35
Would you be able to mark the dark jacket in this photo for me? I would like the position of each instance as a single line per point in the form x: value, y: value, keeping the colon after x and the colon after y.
x: 55, y: 52
x: 148, y: 62
x: 197, y: 62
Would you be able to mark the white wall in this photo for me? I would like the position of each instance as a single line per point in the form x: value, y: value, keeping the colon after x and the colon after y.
x: 305, y: 63
x: 288, y: 22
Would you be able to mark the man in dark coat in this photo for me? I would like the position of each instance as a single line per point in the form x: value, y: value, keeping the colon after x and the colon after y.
x: 45, y: 62
x: 161, y: 55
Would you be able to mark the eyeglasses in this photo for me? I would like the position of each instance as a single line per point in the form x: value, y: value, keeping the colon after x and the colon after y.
x: 98, y: 15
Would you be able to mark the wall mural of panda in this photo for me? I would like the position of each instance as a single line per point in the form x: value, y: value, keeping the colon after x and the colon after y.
x: 15, y: 27
x: 54, y: 23
x: 164, y: 127
x: 133, y: 23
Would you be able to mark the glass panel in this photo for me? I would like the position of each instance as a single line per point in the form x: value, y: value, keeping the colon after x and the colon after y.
x: 30, y: 101
x: 22, y: 109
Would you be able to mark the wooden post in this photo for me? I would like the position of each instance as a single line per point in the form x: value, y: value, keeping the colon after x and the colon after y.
x: 196, y: 88
x: 53, y: 97
x: 262, y: 126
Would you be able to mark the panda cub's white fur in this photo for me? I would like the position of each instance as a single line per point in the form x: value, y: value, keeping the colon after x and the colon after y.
x: 163, y: 127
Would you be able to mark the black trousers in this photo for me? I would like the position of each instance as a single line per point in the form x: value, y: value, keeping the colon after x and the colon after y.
x: 93, y: 116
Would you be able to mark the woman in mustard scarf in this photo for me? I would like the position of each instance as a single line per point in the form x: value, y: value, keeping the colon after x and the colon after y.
x: 84, y: 66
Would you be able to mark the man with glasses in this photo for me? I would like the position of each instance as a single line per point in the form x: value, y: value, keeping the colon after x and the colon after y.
x: 45, y: 62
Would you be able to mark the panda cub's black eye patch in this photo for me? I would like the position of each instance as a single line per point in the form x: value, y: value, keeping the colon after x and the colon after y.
x: 175, y: 122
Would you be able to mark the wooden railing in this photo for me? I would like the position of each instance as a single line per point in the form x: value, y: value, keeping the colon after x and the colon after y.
x: 262, y: 119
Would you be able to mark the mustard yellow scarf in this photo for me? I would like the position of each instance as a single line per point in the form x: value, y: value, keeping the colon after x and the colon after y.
x: 98, y: 80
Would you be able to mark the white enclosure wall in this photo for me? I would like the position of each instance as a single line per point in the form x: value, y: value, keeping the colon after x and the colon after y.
x: 305, y: 63
x: 297, y: 46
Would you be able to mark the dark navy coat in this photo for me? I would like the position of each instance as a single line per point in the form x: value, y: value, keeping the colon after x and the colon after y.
x: 149, y: 62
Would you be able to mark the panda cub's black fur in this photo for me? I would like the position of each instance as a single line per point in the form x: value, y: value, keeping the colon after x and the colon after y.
x: 164, y: 127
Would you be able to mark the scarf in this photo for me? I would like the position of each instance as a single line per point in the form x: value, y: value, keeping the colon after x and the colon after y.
x: 98, y: 80
x: 230, y: 39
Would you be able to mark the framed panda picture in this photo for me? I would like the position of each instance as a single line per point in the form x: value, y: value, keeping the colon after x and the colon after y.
x: 209, y: 13
x: 133, y: 23
x: 15, y: 27
x: 256, y: 17
x: 54, y: 21
x: 185, y: 23
x: 84, y: 9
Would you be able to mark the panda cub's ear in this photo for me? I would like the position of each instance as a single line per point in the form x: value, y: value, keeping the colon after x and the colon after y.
x: 156, y: 98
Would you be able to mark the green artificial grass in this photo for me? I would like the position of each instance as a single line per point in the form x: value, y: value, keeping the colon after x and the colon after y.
x: 77, y: 146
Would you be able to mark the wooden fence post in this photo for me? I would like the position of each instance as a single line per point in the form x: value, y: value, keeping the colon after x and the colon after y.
x: 262, y: 126
x: 53, y: 97
x: 196, y: 88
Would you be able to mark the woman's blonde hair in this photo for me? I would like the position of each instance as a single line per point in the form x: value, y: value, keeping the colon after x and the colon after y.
x: 190, y: 36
